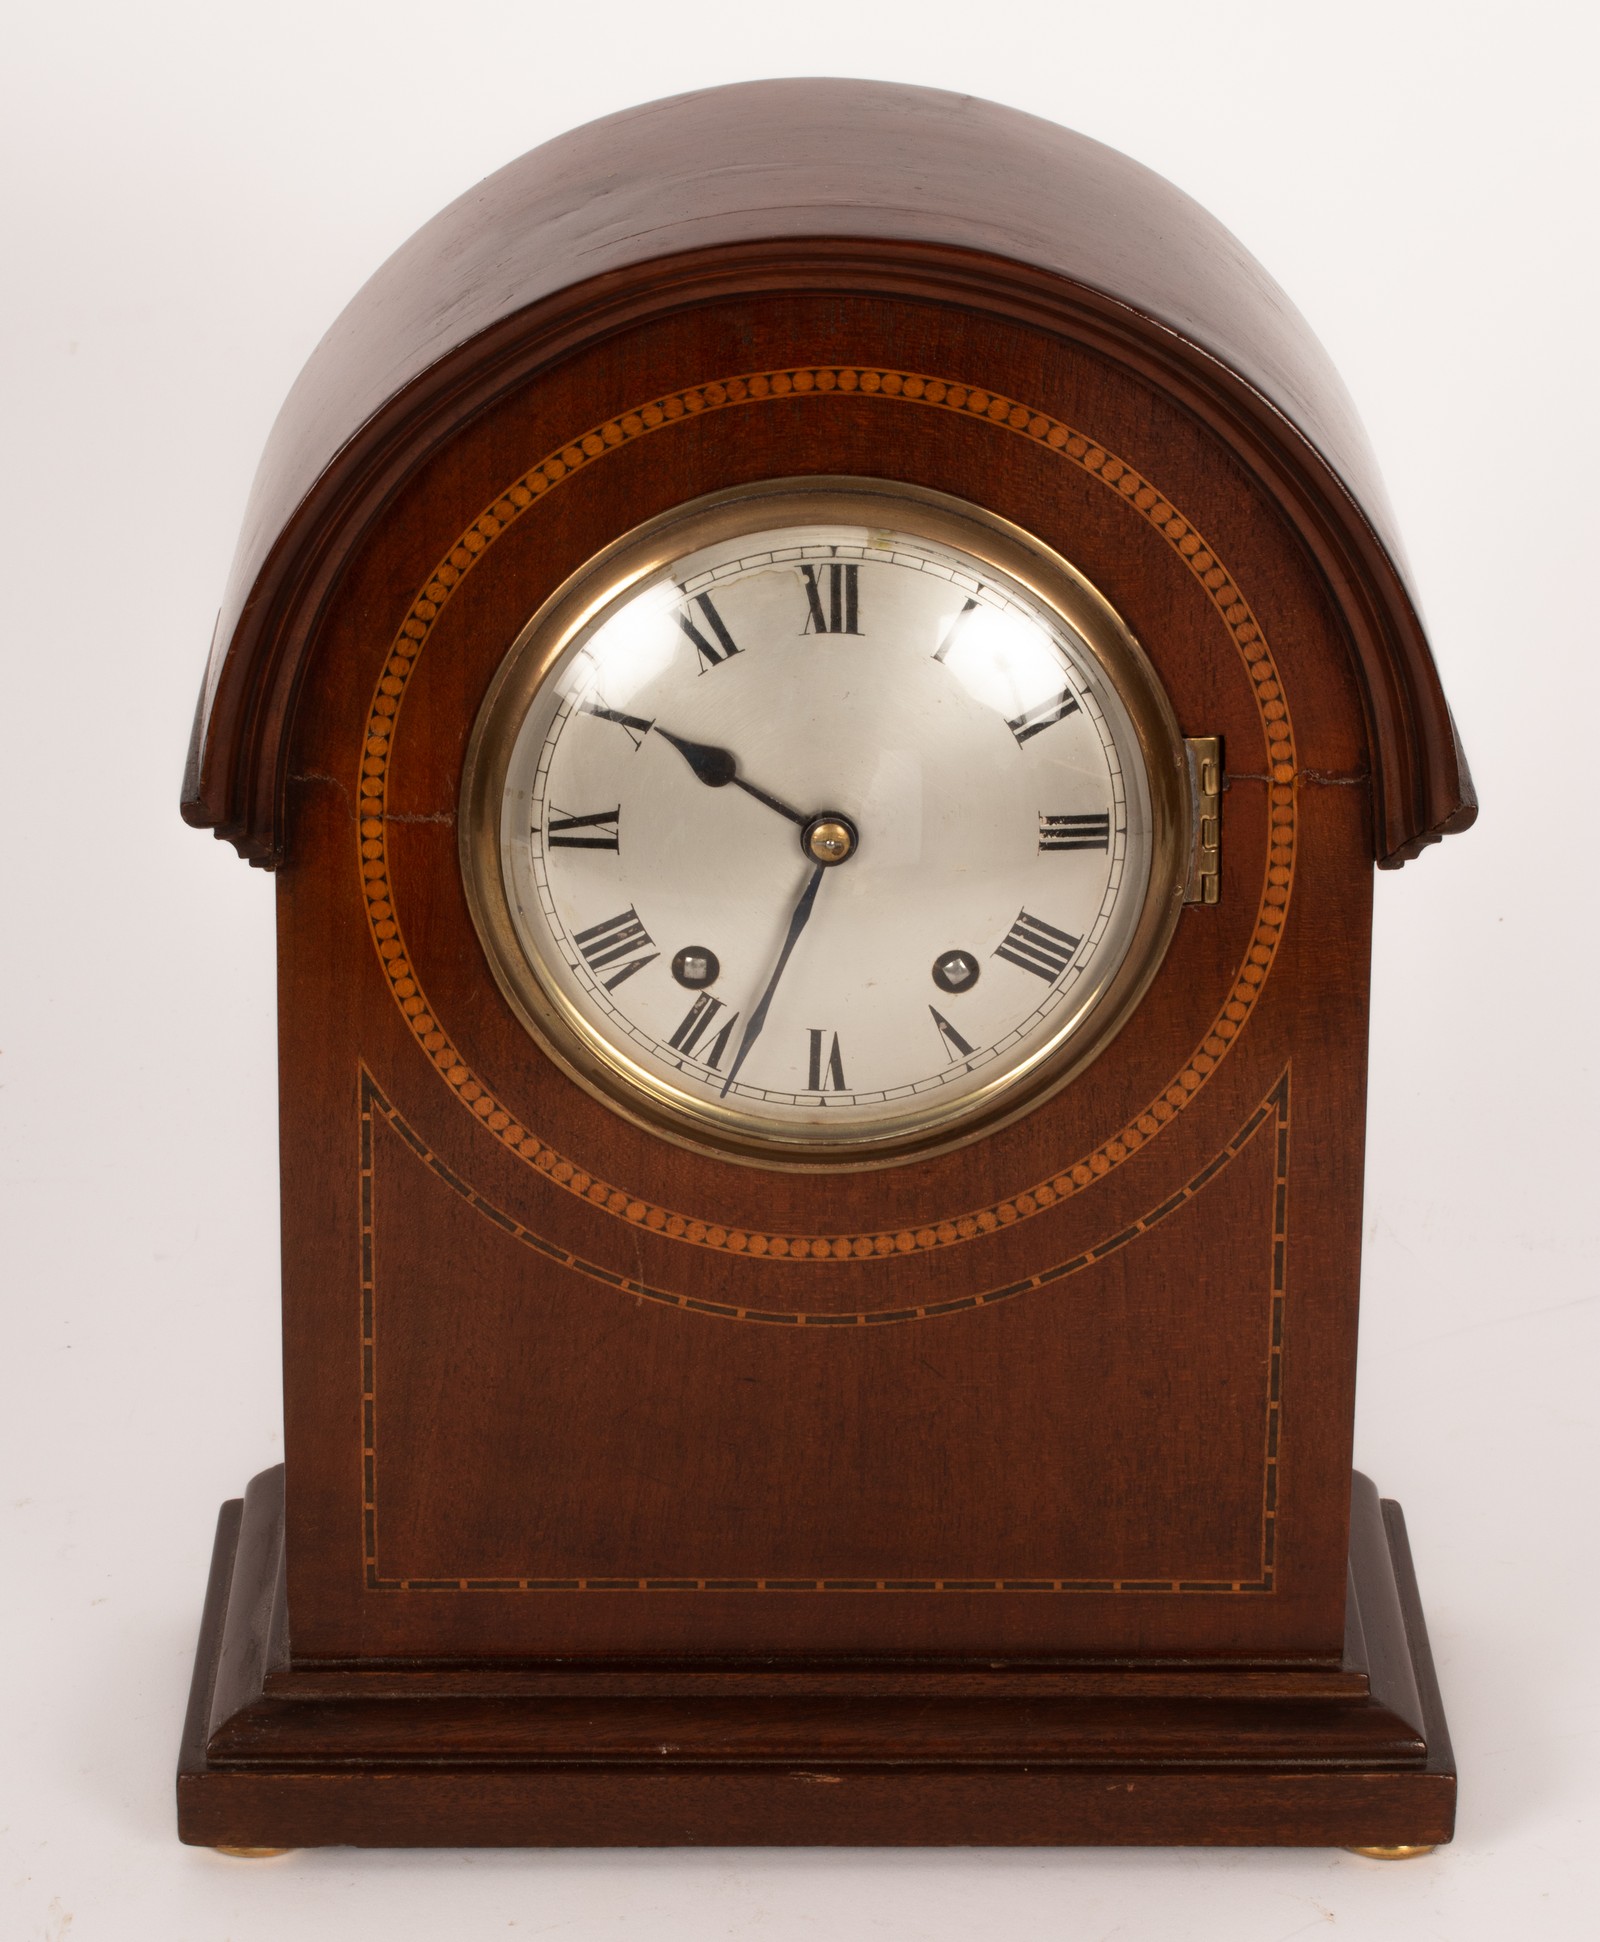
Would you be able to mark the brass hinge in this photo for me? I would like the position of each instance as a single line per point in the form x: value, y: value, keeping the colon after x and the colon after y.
x: 1205, y: 797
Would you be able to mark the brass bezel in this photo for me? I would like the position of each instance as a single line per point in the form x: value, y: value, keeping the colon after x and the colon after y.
x: 607, y: 1073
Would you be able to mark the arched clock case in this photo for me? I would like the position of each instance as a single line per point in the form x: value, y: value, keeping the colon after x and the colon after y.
x: 869, y: 1369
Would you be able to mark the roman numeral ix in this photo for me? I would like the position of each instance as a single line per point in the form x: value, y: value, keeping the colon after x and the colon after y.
x: 603, y: 944
x: 1035, y: 720
x: 825, y: 1075
x: 712, y: 652
x: 697, y: 1022
x: 602, y: 831
x: 842, y: 610
x: 1038, y: 947
x: 1075, y: 832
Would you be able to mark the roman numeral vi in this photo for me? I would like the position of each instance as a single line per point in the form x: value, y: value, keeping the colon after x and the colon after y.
x: 825, y: 1075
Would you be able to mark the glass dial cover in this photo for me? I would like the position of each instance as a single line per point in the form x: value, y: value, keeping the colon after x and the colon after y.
x: 824, y: 821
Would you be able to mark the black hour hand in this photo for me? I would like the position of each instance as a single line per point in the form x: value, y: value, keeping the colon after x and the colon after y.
x: 717, y: 767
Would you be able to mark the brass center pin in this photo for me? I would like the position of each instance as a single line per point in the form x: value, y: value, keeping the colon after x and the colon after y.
x: 828, y: 839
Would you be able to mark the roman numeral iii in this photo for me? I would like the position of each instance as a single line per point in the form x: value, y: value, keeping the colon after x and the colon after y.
x: 720, y: 646
x: 832, y: 598
x: 697, y: 1022
x: 603, y: 944
x: 601, y: 831
x: 1075, y: 832
x: 1038, y: 947
x: 1036, y: 720
x: 825, y: 1074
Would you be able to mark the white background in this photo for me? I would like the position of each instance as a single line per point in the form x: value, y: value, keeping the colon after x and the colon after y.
x: 192, y: 189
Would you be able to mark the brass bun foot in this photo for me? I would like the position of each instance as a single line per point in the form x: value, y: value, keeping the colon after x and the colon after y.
x: 1394, y: 1854
x: 266, y: 1854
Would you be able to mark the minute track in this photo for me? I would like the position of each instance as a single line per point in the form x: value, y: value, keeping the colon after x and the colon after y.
x: 877, y: 746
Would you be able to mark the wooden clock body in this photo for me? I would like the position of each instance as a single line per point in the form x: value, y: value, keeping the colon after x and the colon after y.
x: 633, y: 1495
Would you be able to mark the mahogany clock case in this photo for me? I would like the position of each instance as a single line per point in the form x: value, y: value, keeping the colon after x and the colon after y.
x: 632, y: 1494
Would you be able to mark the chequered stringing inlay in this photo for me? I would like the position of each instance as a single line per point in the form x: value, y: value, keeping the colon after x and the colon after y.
x: 892, y: 387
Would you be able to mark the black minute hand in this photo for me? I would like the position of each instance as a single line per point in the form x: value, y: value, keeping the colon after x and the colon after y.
x: 758, y: 1018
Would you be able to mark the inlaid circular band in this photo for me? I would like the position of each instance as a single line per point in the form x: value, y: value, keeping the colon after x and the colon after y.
x: 892, y: 387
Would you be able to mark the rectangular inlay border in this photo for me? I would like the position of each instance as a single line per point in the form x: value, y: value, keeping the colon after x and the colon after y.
x: 1275, y: 1107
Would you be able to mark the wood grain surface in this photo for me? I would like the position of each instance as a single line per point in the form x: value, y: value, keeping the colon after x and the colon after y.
x: 1018, y: 1465
x: 853, y: 188
x: 485, y: 1175
x: 386, y: 1762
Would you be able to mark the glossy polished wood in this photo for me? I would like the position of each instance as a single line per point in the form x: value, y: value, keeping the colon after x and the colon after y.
x: 848, y: 186
x: 392, y: 1763
x: 1006, y: 1468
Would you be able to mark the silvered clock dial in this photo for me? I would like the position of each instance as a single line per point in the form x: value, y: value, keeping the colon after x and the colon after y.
x: 825, y: 821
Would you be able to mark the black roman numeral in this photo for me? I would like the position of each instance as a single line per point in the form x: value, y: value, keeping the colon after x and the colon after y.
x: 696, y: 1024
x: 842, y: 611
x: 604, y: 827
x: 952, y: 631
x: 635, y: 727
x: 959, y: 1048
x: 604, y: 943
x: 1038, y: 947
x: 834, y: 1066
x: 1035, y: 720
x: 712, y: 652
x: 1075, y: 832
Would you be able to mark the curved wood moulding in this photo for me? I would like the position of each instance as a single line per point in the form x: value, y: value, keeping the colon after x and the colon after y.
x: 855, y: 187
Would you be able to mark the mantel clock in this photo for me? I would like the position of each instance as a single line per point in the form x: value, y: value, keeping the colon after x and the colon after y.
x: 823, y: 669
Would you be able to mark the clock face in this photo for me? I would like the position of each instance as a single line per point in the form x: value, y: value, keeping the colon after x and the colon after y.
x: 822, y: 823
